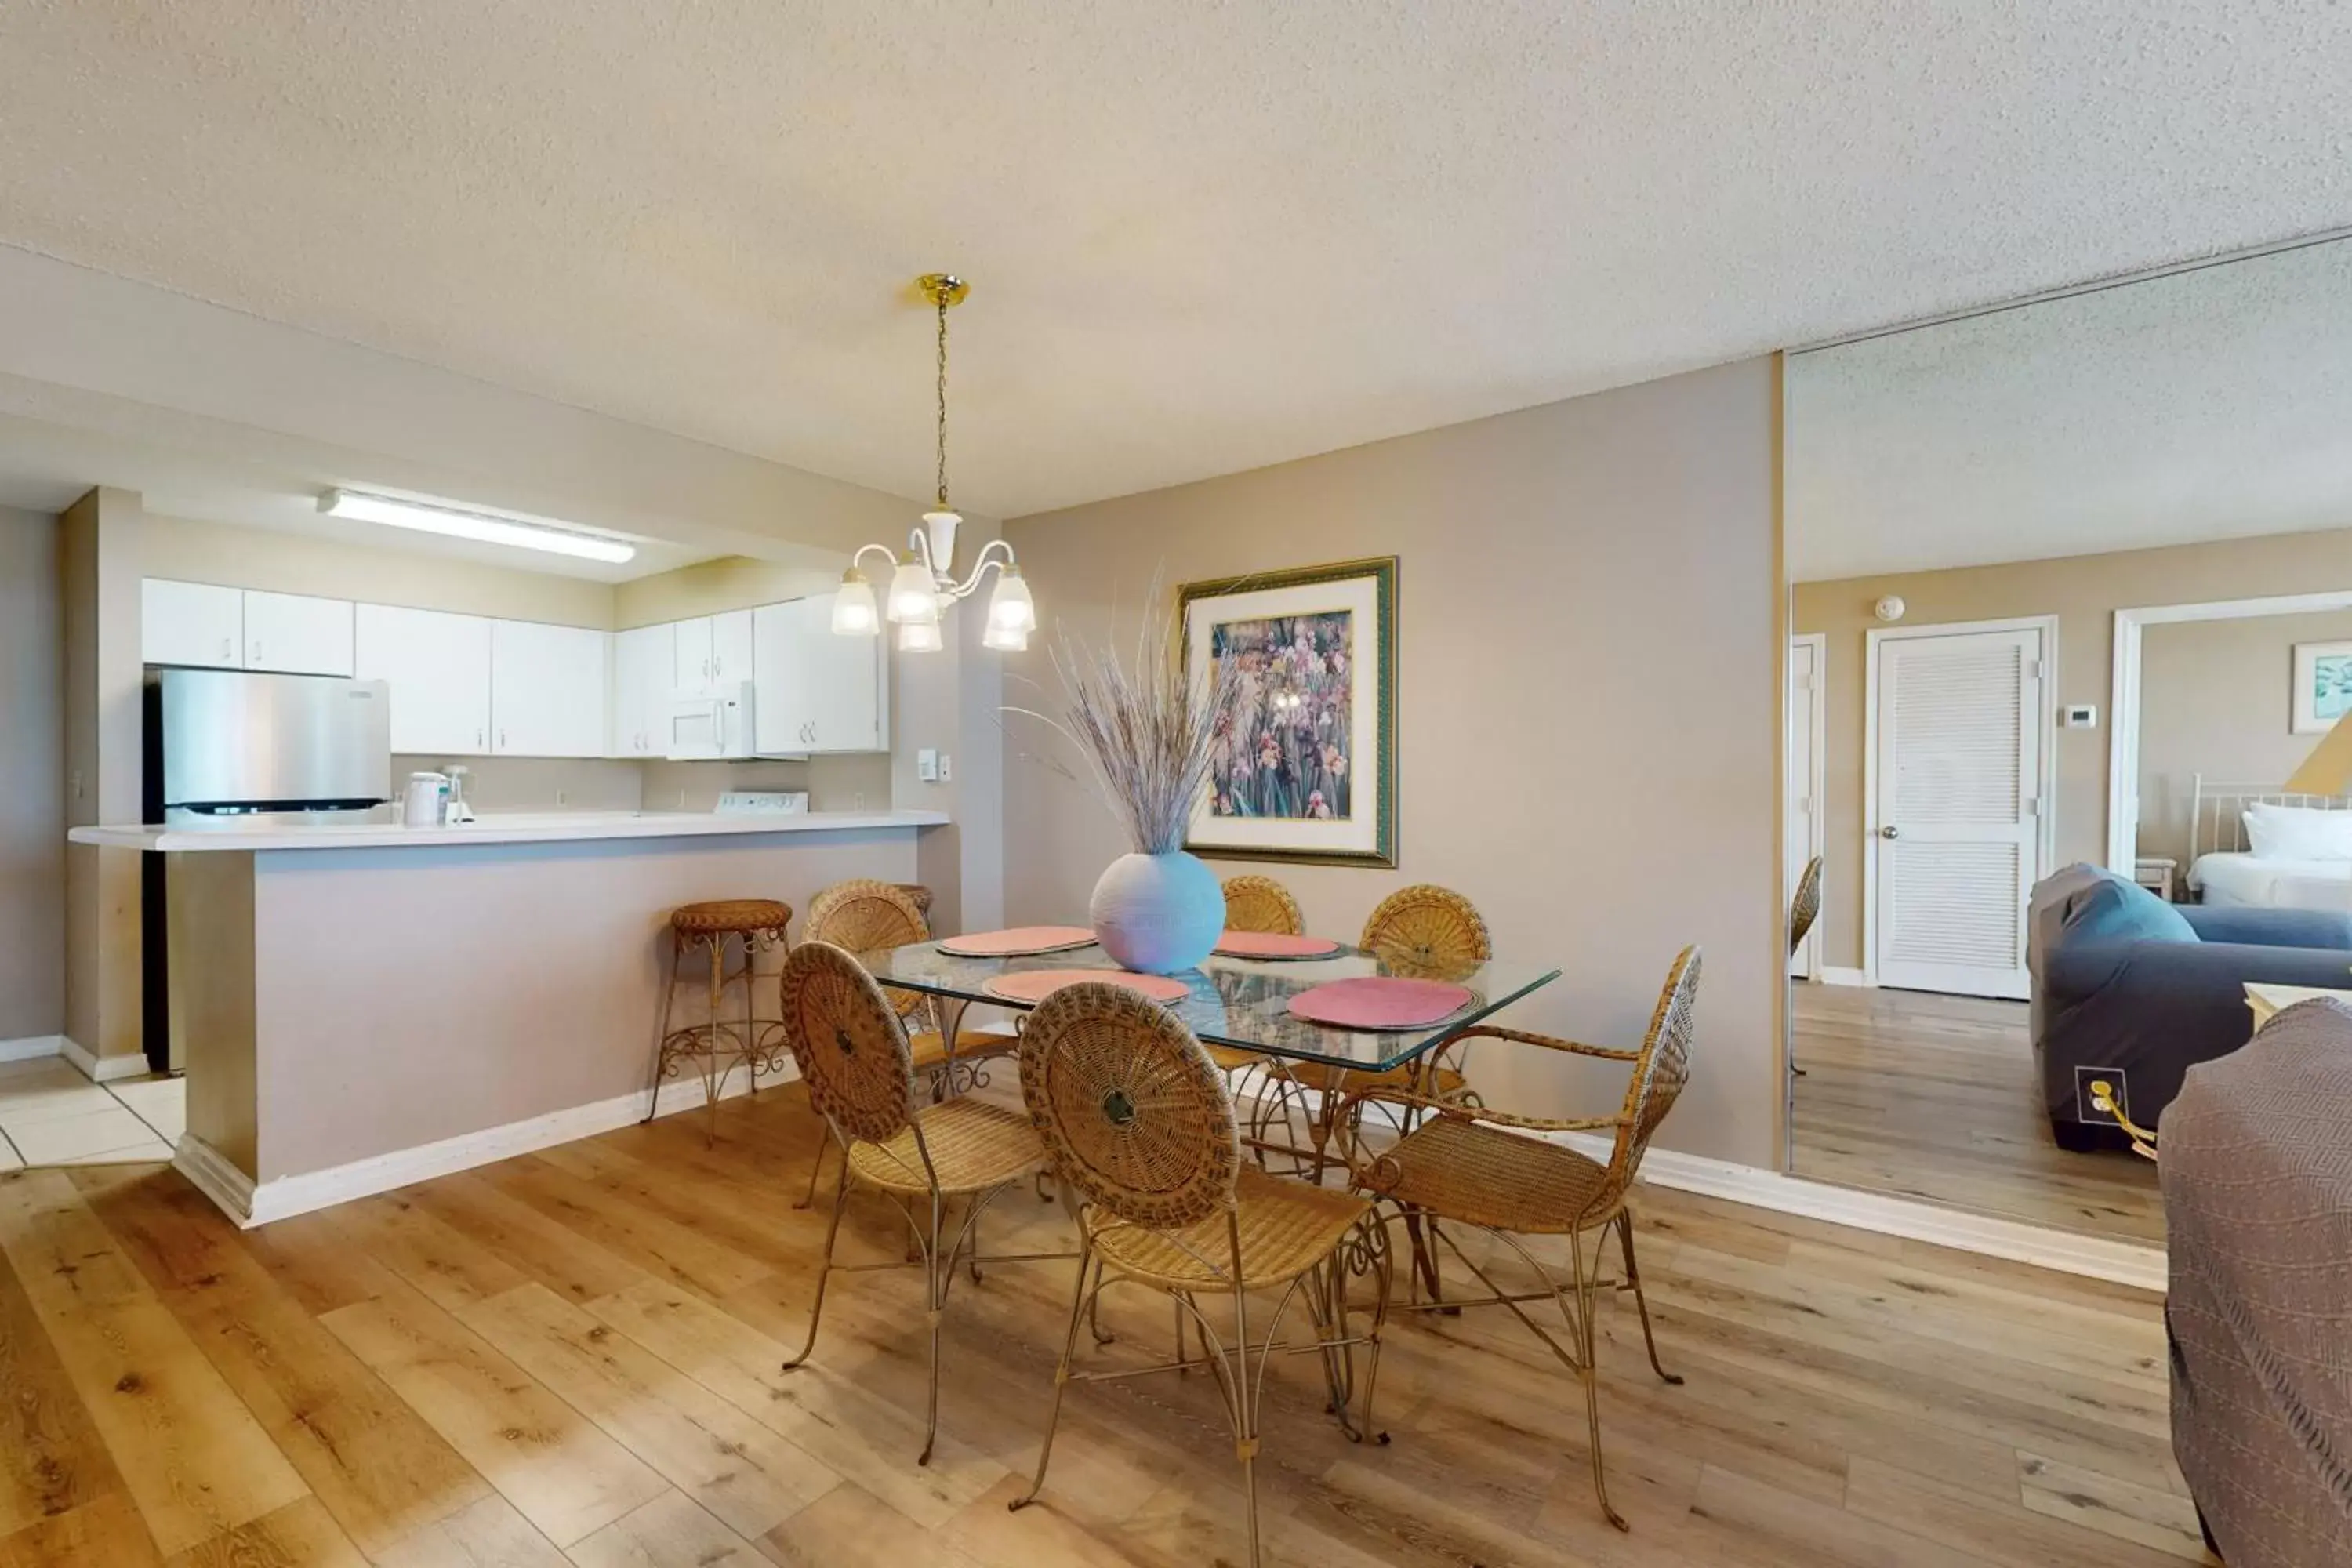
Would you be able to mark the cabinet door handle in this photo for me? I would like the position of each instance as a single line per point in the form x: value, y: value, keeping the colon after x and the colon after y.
x: 228, y: 648
x: 478, y: 737
x: 257, y: 653
x: 502, y: 736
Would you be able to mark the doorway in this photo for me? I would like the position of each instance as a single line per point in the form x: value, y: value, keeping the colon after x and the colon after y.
x: 1957, y: 831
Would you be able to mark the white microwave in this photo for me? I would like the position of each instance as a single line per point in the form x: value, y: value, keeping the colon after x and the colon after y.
x: 704, y: 728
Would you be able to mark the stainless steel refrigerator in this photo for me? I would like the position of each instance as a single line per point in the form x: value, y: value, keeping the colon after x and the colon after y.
x: 227, y: 745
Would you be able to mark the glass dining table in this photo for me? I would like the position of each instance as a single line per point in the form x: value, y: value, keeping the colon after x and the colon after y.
x: 1243, y: 1005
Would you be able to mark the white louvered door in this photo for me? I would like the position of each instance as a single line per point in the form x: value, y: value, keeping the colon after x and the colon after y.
x: 1956, y: 829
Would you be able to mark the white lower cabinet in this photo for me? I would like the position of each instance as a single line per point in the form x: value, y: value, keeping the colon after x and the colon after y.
x: 547, y: 691
x: 438, y: 667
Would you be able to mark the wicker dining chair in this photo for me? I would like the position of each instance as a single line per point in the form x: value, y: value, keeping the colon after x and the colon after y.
x: 1261, y: 904
x: 1473, y: 1166
x: 851, y: 1047
x: 1422, y: 930
x: 1805, y: 906
x: 1256, y: 903
x: 1140, y: 1130
x: 864, y: 916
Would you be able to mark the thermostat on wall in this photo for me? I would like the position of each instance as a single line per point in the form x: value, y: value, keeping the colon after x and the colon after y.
x: 2079, y: 716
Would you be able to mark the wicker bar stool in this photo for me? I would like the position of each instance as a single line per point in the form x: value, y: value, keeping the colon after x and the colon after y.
x: 1804, y: 908
x: 863, y: 916
x: 1140, y: 1127
x: 1474, y: 1166
x: 742, y: 928
x: 852, y: 1050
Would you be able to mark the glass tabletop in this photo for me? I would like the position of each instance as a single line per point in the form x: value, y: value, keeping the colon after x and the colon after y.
x: 1241, y: 1001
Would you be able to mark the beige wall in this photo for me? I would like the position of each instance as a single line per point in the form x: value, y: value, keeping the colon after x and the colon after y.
x: 280, y: 563
x: 731, y: 583
x: 1587, y: 722
x: 2084, y: 591
x: 2217, y: 698
x: 32, y: 780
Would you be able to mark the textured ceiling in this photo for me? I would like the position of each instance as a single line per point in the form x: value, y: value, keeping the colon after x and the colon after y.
x: 2215, y: 404
x: 1204, y: 238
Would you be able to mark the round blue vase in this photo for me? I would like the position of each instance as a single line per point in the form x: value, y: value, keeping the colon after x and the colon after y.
x: 1157, y: 914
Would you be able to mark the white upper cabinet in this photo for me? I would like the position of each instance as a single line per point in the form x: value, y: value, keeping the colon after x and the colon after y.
x: 191, y: 622
x: 817, y: 692
x: 237, y: 628
x: 438, y: 667
x: 644, y: 679
x: 711, y: 653
x: 547, y: 691
x: 298, y: 635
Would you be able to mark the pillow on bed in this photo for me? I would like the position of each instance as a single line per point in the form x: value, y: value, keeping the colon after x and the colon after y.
x: 2298, y: 833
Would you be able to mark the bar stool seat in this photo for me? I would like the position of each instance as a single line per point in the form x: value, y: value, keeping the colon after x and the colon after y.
x: 718, y: 1043
x: 730, y: 916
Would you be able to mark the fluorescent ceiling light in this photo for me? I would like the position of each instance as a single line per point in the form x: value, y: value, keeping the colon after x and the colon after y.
x: 427, y: 518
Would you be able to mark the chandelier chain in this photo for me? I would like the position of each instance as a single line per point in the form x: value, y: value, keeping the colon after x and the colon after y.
x: 943, y: 397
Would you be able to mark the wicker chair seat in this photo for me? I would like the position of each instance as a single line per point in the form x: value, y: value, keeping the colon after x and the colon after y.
x: 729, y: 915
x: 974, y: 1146
x: 1482, y: 1175
x: 1286, y: 1228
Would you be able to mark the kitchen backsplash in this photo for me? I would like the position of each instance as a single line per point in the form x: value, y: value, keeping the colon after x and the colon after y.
x: 849, y: 783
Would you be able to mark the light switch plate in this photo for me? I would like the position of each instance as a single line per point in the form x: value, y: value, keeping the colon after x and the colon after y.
x: 927, y: 765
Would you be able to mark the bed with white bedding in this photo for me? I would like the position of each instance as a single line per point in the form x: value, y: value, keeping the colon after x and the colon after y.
x: 2264, y: 849
x: 2242, y: 879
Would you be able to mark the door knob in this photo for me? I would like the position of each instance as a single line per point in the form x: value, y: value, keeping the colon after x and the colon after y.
x: 1889, y: 832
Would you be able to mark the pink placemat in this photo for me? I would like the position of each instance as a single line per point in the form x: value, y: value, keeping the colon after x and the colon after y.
x: 1018, y: 942
x: 1379, y: 1001
x: 1274, y: 944
x: 1036, y: 985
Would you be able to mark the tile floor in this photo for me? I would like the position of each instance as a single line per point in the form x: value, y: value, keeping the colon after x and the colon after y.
x: 52, y: 1115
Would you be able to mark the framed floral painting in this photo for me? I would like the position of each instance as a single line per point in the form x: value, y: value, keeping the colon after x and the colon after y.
x: 1305, y: 764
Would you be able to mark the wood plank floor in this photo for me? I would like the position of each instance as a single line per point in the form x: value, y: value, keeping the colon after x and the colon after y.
x: 1936, y: 1097
x: 573, y: 1358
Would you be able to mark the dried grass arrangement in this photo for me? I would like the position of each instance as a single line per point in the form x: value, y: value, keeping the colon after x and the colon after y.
x: 1145, y: 725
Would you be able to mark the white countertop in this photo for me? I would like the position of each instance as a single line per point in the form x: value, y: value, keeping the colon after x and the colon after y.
x: 537, y: 827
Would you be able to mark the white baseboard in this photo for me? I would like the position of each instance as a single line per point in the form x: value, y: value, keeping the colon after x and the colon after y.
x: 2098, y: 1258
x: 1833, y: 975
x: 211, y: 1172
x: 249, y: 1204
x: 101, y: 1069
x: 32, y: 1048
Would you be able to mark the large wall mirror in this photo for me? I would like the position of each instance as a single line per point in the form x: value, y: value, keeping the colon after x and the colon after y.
x: 2070, y: 596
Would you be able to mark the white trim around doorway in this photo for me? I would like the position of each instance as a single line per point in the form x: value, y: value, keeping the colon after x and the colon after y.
x: 2122, y: 699
x: 2044, y: 787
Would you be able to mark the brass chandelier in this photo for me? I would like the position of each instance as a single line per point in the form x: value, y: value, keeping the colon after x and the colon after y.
x: 923, y: 584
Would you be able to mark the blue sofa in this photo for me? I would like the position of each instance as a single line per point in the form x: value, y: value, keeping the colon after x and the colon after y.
x: 2128, y: 987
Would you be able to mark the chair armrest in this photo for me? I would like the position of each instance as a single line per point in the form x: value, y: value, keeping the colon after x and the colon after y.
x: 1520, y: 1036
x: 1459, y: 1112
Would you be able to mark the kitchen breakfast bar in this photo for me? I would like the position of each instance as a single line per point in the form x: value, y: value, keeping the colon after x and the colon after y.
x: 361, y: 1006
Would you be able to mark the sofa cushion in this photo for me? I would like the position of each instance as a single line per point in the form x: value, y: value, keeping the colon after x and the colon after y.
x: 2100, y: 906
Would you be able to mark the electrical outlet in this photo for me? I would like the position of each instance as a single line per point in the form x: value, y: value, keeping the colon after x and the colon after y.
x: 947, y: 768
